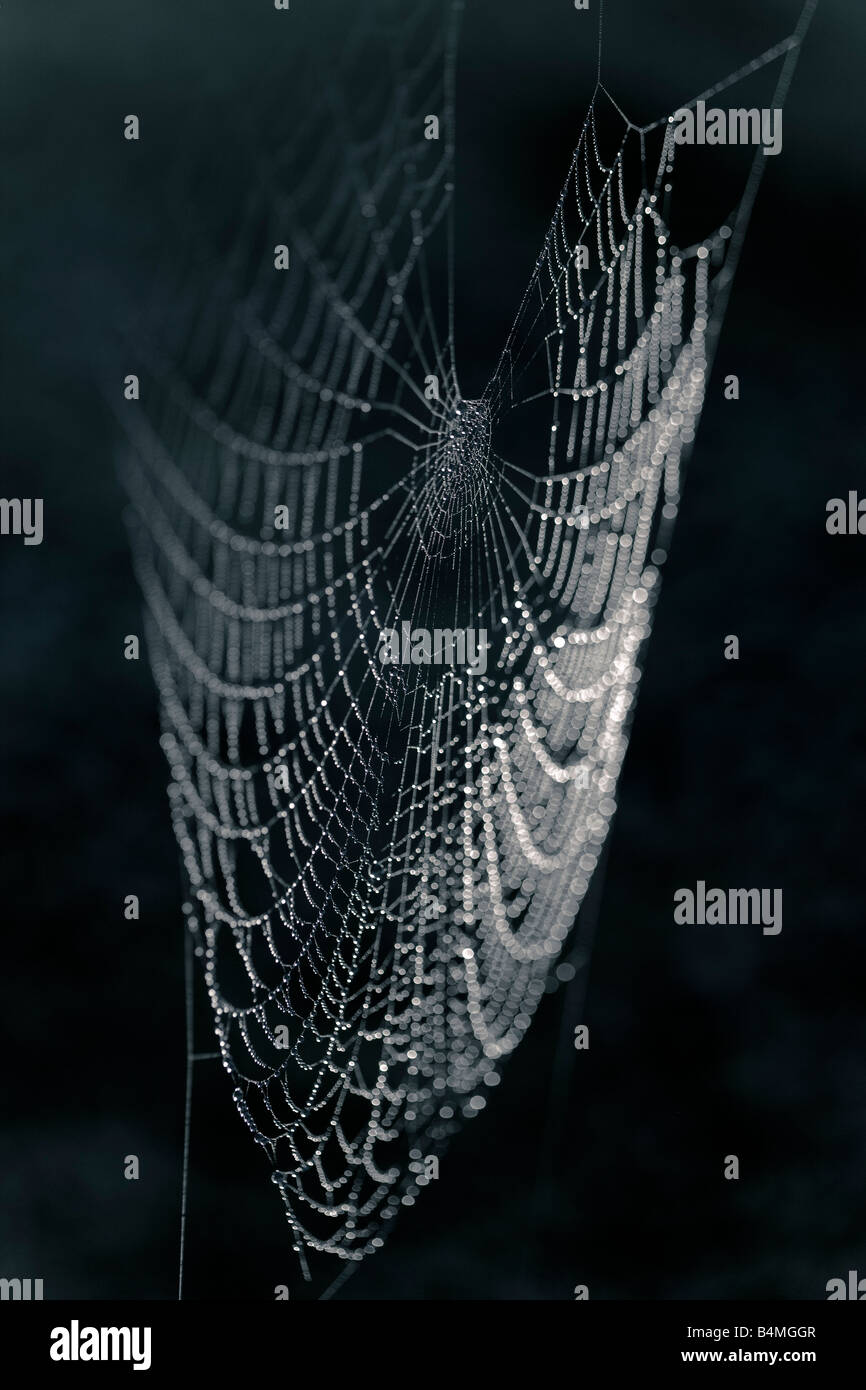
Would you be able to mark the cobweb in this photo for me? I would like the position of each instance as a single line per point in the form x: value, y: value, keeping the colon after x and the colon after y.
x: 384, y: 862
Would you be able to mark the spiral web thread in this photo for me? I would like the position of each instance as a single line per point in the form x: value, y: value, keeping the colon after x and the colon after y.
x: 385, y: 861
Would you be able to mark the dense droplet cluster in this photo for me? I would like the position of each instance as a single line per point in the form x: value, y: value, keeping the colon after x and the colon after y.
x: 451, y: 490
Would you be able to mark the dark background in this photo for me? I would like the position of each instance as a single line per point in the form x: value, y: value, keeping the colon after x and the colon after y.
x: 605, y: 1169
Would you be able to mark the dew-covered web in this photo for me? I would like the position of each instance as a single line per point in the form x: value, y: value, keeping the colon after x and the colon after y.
x: 385, y: 862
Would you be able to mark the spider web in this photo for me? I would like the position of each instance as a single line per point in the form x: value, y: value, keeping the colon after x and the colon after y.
x: 384, y: 862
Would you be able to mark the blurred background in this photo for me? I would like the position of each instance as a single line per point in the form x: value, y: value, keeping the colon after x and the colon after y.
x: 602, y: 1168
